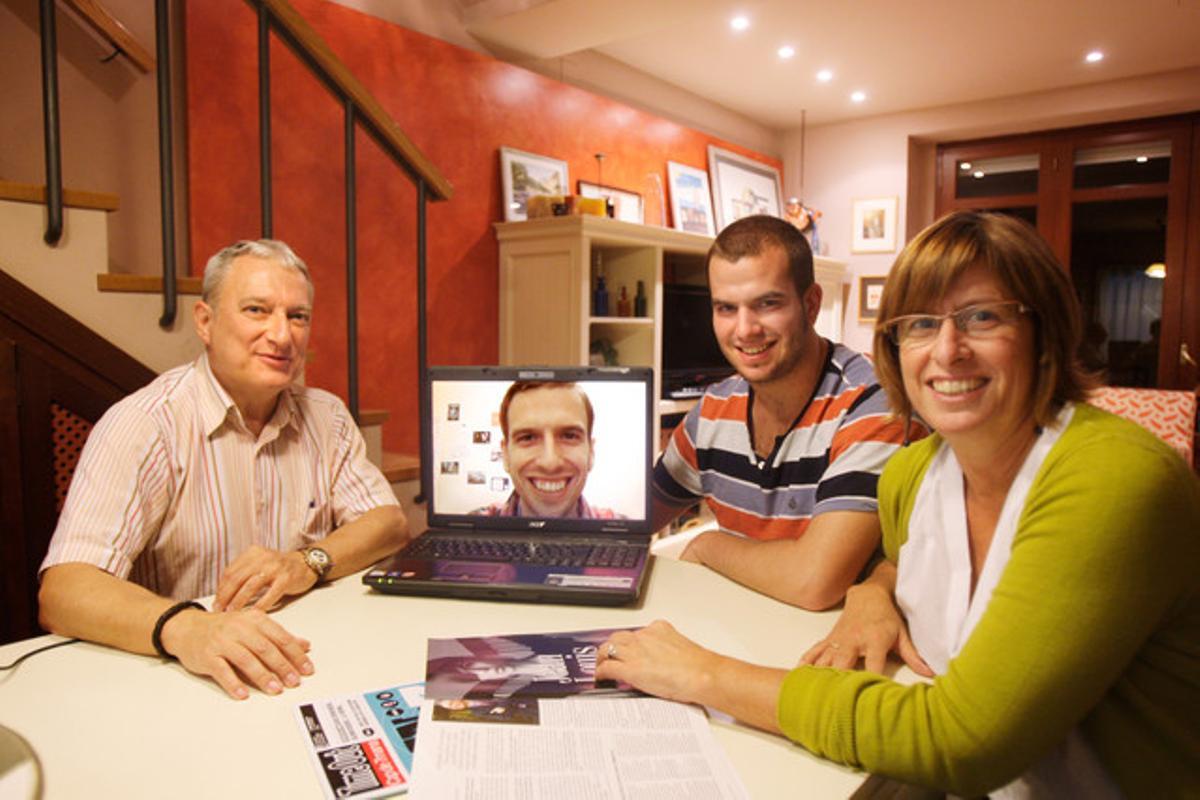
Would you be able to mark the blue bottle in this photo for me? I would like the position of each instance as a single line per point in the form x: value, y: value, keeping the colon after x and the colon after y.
x: 600, y: 298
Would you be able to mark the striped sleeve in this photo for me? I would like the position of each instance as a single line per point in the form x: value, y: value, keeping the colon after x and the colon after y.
x: 119, y: 493
x: 866, y: 437
x: 677, y: 473
x: 358, y: 485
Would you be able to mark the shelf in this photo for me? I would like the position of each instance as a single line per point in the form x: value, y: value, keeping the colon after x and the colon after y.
x: 670, y: 406
x: 621, y: 321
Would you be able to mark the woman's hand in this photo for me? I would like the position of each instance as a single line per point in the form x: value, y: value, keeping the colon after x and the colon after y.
x: 869, y: 628
x: 658, y: 660
x: 661, y: 661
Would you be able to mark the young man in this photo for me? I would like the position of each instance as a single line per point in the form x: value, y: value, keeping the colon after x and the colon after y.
x: 787, y: 452
x: 221, y: 476
x: 548, y: 451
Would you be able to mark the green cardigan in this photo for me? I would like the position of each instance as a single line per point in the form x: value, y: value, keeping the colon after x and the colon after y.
x: 1095, y: 622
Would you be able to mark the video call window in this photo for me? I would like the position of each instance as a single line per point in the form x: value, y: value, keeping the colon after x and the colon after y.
x: 469, y: 447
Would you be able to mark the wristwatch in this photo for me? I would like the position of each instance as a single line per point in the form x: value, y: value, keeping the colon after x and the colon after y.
x: 318, y: 561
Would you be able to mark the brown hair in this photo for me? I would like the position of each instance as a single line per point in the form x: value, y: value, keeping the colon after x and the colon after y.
x: 527, y: 386
x: 750, y: 236
x: 1023, y: 264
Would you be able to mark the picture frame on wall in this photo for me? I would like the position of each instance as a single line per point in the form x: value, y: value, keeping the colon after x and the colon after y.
x: 627, y: 205
x: 523, y: 174
x: 691, y: 200
x: 870, y: 293
x: 874, y: 223
x: 742, y: 186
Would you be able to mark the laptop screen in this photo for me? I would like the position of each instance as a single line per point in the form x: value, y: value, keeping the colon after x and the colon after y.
x: 562, y: 448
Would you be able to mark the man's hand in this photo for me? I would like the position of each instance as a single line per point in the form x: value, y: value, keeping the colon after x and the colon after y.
x: 261, y: 578
x: 236, y: 647
x: 869, y: 628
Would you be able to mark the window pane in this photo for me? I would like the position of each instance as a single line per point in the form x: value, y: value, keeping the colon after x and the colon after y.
x: 992, y: 177
x: 1113, y: 245
x: 1124, y: 165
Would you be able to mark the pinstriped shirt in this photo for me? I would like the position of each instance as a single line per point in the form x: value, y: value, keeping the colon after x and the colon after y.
x: 829, y: 460
x: 172, y: 486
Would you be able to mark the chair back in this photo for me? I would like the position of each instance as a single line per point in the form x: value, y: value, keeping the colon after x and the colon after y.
x: 1170, y: 414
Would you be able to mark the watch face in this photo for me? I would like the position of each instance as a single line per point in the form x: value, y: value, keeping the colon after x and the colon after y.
x: 318, y: 560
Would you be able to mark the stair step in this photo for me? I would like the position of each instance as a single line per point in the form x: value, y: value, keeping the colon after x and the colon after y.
x: 372, y: 416
x: 399, y: 467
x: 72, y: 198
x: 144, y: 284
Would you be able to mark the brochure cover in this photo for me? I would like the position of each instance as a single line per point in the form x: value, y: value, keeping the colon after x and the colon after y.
x: 362, y: 744
x: 521, y: 665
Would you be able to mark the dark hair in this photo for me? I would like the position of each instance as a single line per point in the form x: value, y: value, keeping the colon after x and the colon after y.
x: 751, y: 236
x: 527, y: 386
x: 1027, y: 269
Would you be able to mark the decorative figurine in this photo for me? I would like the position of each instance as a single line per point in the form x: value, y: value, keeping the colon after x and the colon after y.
x: 805, y: 220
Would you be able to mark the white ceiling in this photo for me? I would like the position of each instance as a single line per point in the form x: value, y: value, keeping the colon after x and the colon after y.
x: 904, y: 55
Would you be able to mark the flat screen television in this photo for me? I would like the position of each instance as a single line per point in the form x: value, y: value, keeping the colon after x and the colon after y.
x: 691, y: 357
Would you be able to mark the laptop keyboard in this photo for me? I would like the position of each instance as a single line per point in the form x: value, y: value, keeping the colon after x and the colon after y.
x: 550, y: 554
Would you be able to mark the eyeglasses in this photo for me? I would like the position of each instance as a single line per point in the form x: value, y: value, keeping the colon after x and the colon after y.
x: 977, y: 321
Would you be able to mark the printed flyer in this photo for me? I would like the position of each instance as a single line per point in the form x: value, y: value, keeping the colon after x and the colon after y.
x: 362, y: 744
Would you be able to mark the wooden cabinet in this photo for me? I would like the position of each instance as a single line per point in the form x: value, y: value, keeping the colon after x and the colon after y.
x: 549, y: 267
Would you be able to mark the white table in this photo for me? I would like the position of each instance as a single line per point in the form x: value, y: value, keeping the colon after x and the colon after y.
x: 110, y: 724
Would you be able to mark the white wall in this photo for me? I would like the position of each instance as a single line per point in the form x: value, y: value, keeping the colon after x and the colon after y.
x: 892, y: 155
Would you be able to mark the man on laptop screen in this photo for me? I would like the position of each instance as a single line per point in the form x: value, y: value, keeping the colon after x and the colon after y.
x: 548, y: 451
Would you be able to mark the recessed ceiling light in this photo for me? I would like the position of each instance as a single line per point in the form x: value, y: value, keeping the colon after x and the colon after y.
x: 787, y: 51
x: 978, y: 173
x: 1093, y: 57
x: 825, y: 75
x: 739, y: 23
x: 1142, y: 159
x: 858, y: 97
x: 965, y: 165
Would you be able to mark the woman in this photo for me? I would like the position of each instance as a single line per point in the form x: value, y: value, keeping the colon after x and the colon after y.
x: 1044, y: 555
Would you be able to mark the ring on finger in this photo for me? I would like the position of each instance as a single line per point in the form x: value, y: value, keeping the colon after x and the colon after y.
x: 835, y: 645
x: 611, y: 652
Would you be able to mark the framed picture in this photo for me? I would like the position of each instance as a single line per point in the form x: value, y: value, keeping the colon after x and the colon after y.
x: 627, y: 205
x: 742, y: 187
x: 874, y: 226
x: 691, y: 201
x: 523, y: 174
x: 870, y: 292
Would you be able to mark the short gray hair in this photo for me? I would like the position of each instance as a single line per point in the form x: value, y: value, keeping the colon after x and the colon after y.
x: 218, y: 266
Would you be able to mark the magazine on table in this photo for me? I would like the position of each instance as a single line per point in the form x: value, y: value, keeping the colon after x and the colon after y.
x: 517, y: 665
x: 361, y: 745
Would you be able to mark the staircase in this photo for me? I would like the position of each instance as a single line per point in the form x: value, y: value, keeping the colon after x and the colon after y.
x: 72, y: 277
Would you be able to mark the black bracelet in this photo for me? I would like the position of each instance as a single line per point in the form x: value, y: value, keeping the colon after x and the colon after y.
x: 156, y: 637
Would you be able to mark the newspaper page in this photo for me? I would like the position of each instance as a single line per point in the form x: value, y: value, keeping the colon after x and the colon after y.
x: 361, y: 745
x: 574, y: 748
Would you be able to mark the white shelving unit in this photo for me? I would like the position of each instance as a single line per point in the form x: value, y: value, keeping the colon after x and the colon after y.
x: 547, y: 273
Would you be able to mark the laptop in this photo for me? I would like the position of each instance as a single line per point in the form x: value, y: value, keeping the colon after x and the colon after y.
x: 550, y: 512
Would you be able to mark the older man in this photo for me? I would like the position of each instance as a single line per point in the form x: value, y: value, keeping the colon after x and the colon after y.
x: 788, y: 451
x: 221, y: 476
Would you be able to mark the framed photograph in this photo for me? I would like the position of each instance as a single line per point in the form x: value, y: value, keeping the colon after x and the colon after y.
x: 523, y: 174
x: 742, y: 186
x: 627, y: 205
x: 691, y: 201
x: 874, y: 226
x: 870, y: 292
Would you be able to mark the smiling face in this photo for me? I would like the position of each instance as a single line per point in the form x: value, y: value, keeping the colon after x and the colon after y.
x: 256, y: 332
x: 974, y: 388
x: 764, y: 328
x: 548, y: 451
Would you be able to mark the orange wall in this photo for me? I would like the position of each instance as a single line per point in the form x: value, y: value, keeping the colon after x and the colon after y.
x: 459, y: 107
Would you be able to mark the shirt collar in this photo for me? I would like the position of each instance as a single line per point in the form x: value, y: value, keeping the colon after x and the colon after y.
x: 218, y: 409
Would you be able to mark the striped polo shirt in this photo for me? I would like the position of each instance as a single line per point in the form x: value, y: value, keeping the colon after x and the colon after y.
x: 830, y: 460
x: 171, y: 485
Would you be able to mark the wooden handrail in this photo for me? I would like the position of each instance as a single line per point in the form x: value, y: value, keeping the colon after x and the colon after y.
x: 369, y: 108
x: 113, y: 31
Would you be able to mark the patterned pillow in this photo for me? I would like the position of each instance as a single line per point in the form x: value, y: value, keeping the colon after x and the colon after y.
x: 1167, y: 413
